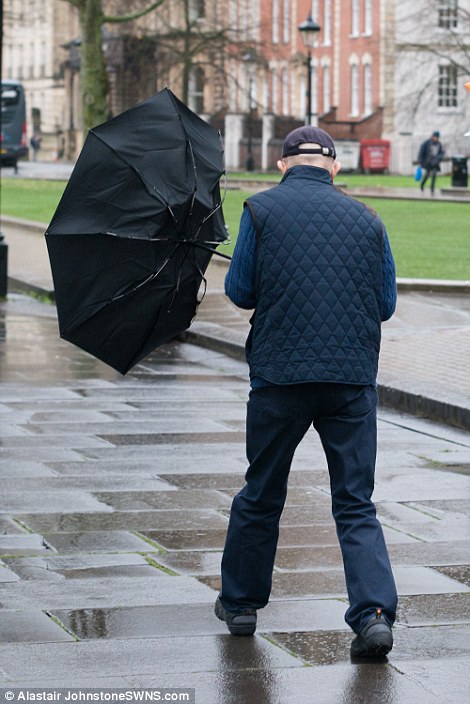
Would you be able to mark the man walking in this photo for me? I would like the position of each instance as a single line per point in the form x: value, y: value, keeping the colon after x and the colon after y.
x: 430, y: 156
x: 317, y: 268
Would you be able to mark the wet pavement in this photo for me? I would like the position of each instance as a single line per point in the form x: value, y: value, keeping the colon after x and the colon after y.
x: 115, y: 500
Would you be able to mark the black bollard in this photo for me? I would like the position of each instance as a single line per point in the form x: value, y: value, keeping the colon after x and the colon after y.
x: 3, y: 267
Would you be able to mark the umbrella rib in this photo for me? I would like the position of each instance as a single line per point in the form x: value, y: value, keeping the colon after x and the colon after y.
x: 107, y: 302
x: 138, y: 174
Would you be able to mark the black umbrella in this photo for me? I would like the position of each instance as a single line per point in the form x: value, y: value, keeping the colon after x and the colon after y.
x: 135, y: 230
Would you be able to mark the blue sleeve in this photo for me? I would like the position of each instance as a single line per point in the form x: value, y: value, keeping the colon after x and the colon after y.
x: 240, y: 279
x: 389, y: 281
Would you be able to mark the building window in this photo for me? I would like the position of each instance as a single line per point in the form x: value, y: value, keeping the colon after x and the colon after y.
x: 326, y: 89
x: 42, y: 60
x: 367, y: 89
x: 327, y: 23
x: 368, y: 17
x: 286, y: 21
x: 354, y: 90
x: 448, y: 14
x: 285, y: 92
x: 275, y: 29
x: 447, y: 88
x: 196, y: 90
x: 274, y: 91
x: 31, y: 60
x: 197, y: 9
x: 355, y: 18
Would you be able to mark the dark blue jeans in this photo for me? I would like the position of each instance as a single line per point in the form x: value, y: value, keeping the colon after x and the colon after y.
x: 278, y: 417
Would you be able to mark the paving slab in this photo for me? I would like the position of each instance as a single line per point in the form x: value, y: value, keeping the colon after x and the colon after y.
x: 90, y: 482
x: 17, y: 469
x: 197, y: 619
x: 25, y: 544
x: 164, y: 500
x: 30, y: 626
x: 61, y: 567
x: 330, y: 647
x: 123, y: 520
x: 169, y: 655
x: 434, y: 609
x: 47, y: 502
x: 155, y: 588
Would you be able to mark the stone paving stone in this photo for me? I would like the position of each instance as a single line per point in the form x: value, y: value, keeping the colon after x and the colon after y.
x: 449, y: 529
x: 409, y: 580
x: 41, y: 454
x: 49, y: 501
x: 434, y: 609
x: 133, y: 469
x: 330, y: 647
x: 461, y: 573
x: 102, y: 592
x: 32, y: 443
x: 236, y: 480
x: 8, y: 526
x: 184, y: 392
x: 124, y: 428
x: 90, y: 483
x: 30, y: 626
x: 170, y: 458
x: 197, y: 619
x: 75, y: 416
x: 124, y: 520
x: 441, y: 507
x: 197, y: 539
x: 164, y: 500
x: 173, y: 438
x: 331, y: 684
x: 25, y: 544
x: 17, y: 469
x: 446, y: 679
x: 105, y: 658
x: 6, y: 575
x: 194, y: 563
x: 58, y: 568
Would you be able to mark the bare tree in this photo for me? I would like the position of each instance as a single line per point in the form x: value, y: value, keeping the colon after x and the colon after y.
x: 93, y: 74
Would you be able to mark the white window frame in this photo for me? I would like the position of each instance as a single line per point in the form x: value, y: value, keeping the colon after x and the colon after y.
x: 354, y: 68
x: 286, y: 21
x: 447, y: 87
x: 367, y: 78
x: 275, y: 21
x: 355, y: 18
x: 327, y: 23
x: 447, y: 14
x: 285, y: 90
x: 368, y: 22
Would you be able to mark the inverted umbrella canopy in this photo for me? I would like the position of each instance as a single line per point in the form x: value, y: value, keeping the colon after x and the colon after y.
x: 135, y: 230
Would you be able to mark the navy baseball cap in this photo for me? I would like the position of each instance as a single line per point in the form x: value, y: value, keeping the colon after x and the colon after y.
x: 312, y: 135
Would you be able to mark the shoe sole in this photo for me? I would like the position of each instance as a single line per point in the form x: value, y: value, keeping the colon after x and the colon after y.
x: 242, y: 629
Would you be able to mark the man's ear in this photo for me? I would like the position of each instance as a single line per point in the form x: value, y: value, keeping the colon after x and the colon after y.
x: 336, y: 169
x: 282, y: 166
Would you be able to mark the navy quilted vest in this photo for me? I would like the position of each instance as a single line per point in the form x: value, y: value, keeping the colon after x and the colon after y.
x: 319, y: 283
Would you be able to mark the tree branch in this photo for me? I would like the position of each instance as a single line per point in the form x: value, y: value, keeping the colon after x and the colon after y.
x: 133, y: 16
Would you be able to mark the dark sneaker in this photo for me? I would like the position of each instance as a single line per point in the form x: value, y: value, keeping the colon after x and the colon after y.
x: 239, y: 624
x: 375, y: 640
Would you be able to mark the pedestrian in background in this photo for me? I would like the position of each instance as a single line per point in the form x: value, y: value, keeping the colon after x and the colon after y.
x: 35, y: 142
x: 430, y: 156
x: 316, y: 266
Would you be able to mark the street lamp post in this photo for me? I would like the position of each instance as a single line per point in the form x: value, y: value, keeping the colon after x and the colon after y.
x: 308, y: 31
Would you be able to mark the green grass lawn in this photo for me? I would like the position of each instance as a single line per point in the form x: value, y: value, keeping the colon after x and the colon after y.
x: 429, y: 239
x: 352, y: 180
